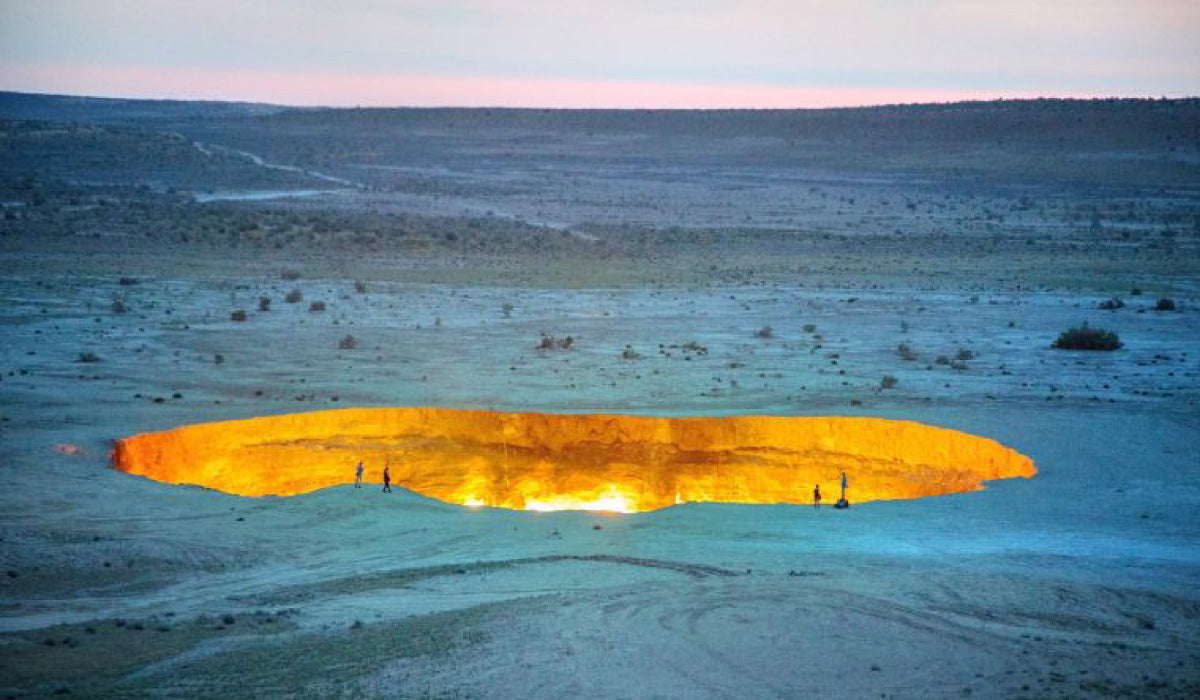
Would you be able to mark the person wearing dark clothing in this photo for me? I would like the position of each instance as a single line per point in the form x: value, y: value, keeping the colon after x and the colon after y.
x: 387, y: 479
x: 817, y: 496
x: 358, y: 476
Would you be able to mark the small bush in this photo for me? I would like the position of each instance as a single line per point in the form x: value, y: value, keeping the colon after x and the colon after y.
x: 942, y: 360
x: 88, y: 357
x: 290, y: 275
x: 888, y: 382
x: 1164, y: 304
x: 238, y: 315
x: 1135, y: 292
x: 507, y: 310
x: 347, y: 343
x: 964, y: 355
x: 118, y: 306
x: 360, y: 287
x: 294, y: 297
x: 764, y: 332
x: 549, y: 342
x: 316, y: 306
x: 1112, y: 304
x: 630, y: 354
x: 810, y: 328
x: 264, y: 303
x: 1084, y: 338
x: 218, y: 359
x: 905, y: 352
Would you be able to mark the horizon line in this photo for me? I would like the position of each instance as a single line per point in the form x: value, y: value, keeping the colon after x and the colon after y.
x: 561, y: 108
x: 398, y: 91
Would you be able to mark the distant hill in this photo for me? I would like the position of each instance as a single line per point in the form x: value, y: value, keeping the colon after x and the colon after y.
x: 1140, y: 143
x: 66, y: 108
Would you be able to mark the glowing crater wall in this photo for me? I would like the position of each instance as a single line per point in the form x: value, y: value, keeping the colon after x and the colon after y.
x: 552, y: 461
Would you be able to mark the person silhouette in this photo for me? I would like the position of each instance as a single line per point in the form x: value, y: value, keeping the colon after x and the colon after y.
x: 817, y: 496
x: 387, y: 478
x: 358, y: 475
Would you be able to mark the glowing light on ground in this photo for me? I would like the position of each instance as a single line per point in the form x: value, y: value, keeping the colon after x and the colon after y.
x: 539, y: 461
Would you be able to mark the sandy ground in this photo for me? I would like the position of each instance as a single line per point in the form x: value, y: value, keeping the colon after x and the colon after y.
x: 977, y: 231
x: 1078, y: 583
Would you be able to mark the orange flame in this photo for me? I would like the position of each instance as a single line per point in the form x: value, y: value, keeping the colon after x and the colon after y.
x: 539, y: 461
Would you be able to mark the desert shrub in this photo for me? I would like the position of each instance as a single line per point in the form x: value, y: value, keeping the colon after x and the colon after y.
x: 905, y: 352
x: 630, y: 354
x: 1135, y: 292
x: 693, y: 346
x: 264, y: 303
x: 1164, y: 304
x: 1112, y: 304
x: 118, y: 306
x: 507, y: 310
x: 964, y: 355
x: 290, y: 275
x: 347, y: 343
x: 942, y: 360
x: 218, y: 359
x: 127, y: 281
x: 238, y: 315
x: 549, y: 342
x: 294, y: 296
x: 360, y: 287
x: 764, y: 332
x: 88, y: 357
x: 810, y: 327
x: 316, y: 306
x: 888, y: 382
x: 1084, y: 338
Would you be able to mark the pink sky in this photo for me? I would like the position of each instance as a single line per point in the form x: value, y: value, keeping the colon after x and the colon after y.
x: 377, y: 90
x: 616, y: 53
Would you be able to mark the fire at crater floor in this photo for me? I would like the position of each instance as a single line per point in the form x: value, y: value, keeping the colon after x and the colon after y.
x: 537, y: 461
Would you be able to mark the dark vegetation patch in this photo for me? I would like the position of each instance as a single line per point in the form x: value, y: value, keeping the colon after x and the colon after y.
x: 1085, y: 338
x: 93, y: 659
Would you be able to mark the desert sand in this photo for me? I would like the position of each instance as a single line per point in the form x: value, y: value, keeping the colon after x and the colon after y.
x: 453, y: 250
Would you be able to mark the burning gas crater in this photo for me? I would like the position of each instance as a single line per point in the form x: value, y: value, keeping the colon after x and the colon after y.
x: 537, y: 461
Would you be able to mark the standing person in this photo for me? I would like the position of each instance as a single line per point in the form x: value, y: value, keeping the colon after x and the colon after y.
x: 358, y: 475
x: 387, y: 477
x: 817, y: 496
x: 842, y: 502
